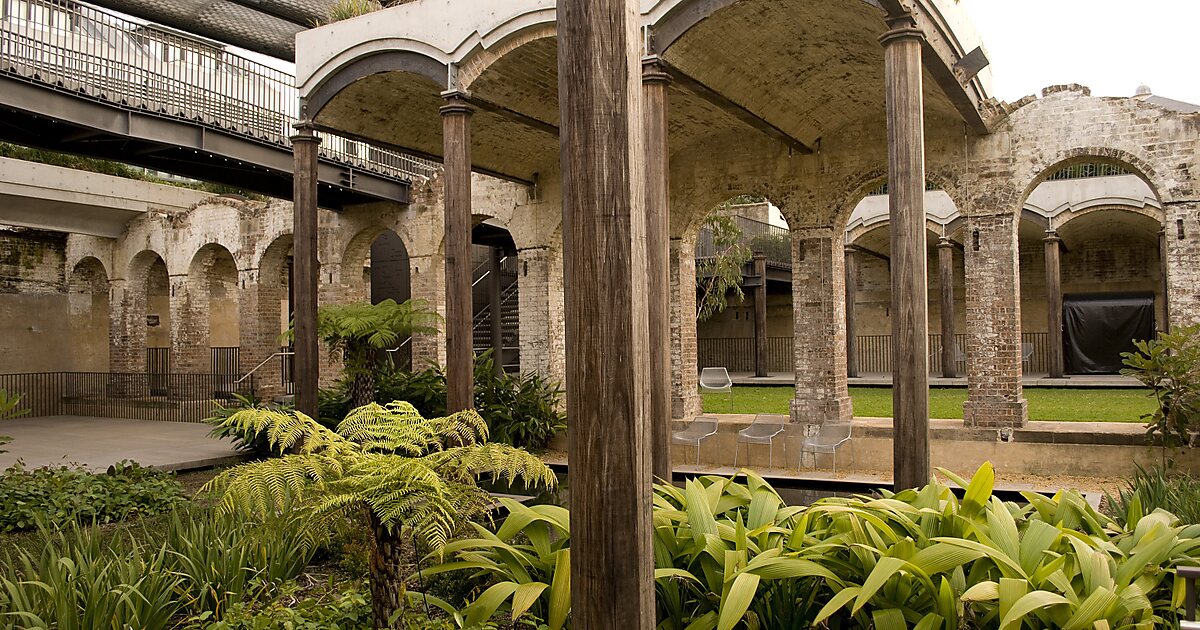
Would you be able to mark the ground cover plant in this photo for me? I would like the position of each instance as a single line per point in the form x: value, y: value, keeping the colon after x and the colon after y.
x: 60, y: 495
x: 729, y: 554
x: 1158, y: 488
x: 1170, y: 367
x: 411, y: 479
x: 1064, y: 405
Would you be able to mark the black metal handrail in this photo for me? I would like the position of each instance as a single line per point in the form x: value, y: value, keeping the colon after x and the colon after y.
x: 773, y: 241
x: 162, y: 397
x: 92, y: 53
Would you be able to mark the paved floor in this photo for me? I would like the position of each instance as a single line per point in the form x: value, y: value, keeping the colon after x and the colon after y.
x: 885, y: 380
x: 97, y: 443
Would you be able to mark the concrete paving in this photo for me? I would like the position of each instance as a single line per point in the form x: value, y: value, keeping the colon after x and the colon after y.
x: 885, y: 380
x: 97, y: 443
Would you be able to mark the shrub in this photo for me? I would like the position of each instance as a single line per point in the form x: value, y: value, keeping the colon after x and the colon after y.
x: 1156, y: 489
x: 253, y: 443
x: 9, y: 404
x: 63, y: 495
x: 1170, y: 366
x: 520, y: 409
x: 731, y: 555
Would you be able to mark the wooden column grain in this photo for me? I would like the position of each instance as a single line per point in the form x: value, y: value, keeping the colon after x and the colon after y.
x: 851, y: 324
x: 607, y: 321
x: 655, y: 84
x: 910, y: 309
x: 496, y: 313
x: 1054, y: 305
x: 760, y: 315
x: 946, y: 281
x: 456, y: 151
x: 305, y: 269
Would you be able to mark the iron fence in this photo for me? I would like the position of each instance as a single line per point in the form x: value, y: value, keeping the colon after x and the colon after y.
x: 287, y: 366
x: 773, y: 241
x: 224, y: 360
x: 160, y: 397
x: 92, y: 53
x: 874, y: 354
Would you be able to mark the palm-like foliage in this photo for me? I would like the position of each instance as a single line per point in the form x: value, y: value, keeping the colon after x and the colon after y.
x: 9, y: 404
x: 413, y: 476
x: 360, y: 332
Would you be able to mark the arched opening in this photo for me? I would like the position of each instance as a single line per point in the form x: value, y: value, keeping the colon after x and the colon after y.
x: 1091, y: 274
x: 495, y: 293
x: 214, y: 312
x: 87, y: 295
x: 148, y: 325
x: 377, y: 268
x: 869, y: 293
x: 728, y: 322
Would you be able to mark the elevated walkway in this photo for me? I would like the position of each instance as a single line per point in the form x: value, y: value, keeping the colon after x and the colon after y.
x: 77, y: 79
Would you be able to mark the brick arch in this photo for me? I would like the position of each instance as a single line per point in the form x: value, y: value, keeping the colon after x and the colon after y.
x: 1038, y: 171
x: 1150, y: 212
x: 538, y: 26
x: 858, y: 186
x: 88, y: 273
x: 138, y: 267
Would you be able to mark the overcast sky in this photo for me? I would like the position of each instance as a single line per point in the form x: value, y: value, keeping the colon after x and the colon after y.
x: 1111, y: 46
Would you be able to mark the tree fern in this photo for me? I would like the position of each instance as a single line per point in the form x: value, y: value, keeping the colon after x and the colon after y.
x: 415, y: 477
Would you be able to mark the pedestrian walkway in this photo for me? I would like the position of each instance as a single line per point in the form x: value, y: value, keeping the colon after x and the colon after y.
x: 1090, y: 381
x: 97, y: 443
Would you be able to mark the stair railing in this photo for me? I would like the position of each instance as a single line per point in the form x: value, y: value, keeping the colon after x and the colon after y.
x: 260, y: 365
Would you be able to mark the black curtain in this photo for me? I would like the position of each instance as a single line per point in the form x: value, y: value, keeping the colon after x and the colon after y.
x: 1098, y: 328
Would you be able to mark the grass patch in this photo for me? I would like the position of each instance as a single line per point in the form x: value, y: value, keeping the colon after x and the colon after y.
x: 1066, y: 405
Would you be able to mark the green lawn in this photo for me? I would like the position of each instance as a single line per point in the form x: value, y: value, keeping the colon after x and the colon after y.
x: 1076, y: 405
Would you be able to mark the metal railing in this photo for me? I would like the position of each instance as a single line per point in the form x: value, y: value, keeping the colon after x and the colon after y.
x: 224, y: 360
x: 160, y: 397
x: 773, y: 241
x: 92, y: 53
x: 874, y: 354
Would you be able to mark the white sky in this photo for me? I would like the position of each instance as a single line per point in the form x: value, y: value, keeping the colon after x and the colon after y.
x: 1111, y: 46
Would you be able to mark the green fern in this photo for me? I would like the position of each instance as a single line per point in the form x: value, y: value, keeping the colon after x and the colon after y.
x: 415, y: 477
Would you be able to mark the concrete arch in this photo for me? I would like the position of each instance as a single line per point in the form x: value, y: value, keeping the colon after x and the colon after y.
x: 365, y: 60
x: 529, y: 28
x: 1038, y: 171
x: 1149, y: 212
x: 872, y: 179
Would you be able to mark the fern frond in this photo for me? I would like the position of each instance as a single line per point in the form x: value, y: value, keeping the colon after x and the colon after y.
x: 394, y: 428
x: 461, y: 428
x: 465, y: 464
x: 273, y: 486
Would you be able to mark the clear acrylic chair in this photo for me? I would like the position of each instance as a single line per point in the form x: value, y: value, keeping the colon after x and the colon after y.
x: 830, y: 437
x: 716, y: 379
x: 760, y: 433
x: 700, y: 429
x: 1026, y: 355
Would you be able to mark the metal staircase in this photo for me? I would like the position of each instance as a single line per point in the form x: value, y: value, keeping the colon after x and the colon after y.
x: 509, y: 313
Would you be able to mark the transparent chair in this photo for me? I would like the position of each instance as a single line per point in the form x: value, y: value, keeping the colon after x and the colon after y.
x: 760, y: 433
x: 1026, y: 355
x: 1192, y: 575
x: 828, y: 439
x: 700, y: 429
x: 716, y: 379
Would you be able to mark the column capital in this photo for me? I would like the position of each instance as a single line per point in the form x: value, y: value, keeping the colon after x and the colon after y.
x: 901, y: 28
x: 1052, y: 237
x: 945, y: 243
x: 305, y: 132
x: 456, y: 102
x: 849, y: 250
x: 654, y: 70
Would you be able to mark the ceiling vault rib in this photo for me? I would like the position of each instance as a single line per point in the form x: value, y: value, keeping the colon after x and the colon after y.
x: 513, y: 115
x: 739, y: 112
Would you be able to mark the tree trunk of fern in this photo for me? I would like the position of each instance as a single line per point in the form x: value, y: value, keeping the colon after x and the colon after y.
x: 361, y: 368
x: 387, y: 573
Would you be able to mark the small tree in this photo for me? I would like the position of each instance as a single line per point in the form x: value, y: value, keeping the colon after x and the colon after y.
x: 721, y: 274
x: 1170, y: 365
x: 8, y: 409
x: 414, y: 478
x: 361, y: 332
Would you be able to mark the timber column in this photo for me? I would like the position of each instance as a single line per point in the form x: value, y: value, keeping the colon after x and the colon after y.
x: 851, y: 299
x: 305, y: 268
x: 456, y: 151
x: 655, y: 82
x: 607, y: 322
x: 946, y: 281
x: 1054, y: 305
x: 760, y: 315
x: 910, y: 316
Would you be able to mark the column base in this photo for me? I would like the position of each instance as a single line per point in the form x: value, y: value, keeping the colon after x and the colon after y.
x: 821, y: 411
x: 686, y: 406
x: 995, y: 414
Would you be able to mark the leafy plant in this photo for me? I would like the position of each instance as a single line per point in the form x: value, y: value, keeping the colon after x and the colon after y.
x: 64, y: 495
x: 254, y: 443
x: 9, y: 408
x: 1155, y: 489
x: 77, y: 581
x: 721, y: 274
x: 731, y: 555
x: 360, y: 332
x: 413, y: 477
x: 1170, y: 366
x: 346, y: 9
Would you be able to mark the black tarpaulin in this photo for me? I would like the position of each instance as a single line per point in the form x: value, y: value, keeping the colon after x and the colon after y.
x: 1098, y: 328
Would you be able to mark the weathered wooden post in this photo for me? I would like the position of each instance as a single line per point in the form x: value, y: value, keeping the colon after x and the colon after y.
x: 946, y: 279
x: 1054, y: 305
x: 760, y: 315
x: 851, y: 301
x: 305, y: 268
x: 906, y: 194
x: 460, y: 351
x: 604, y: 233
x: 655, y: 84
